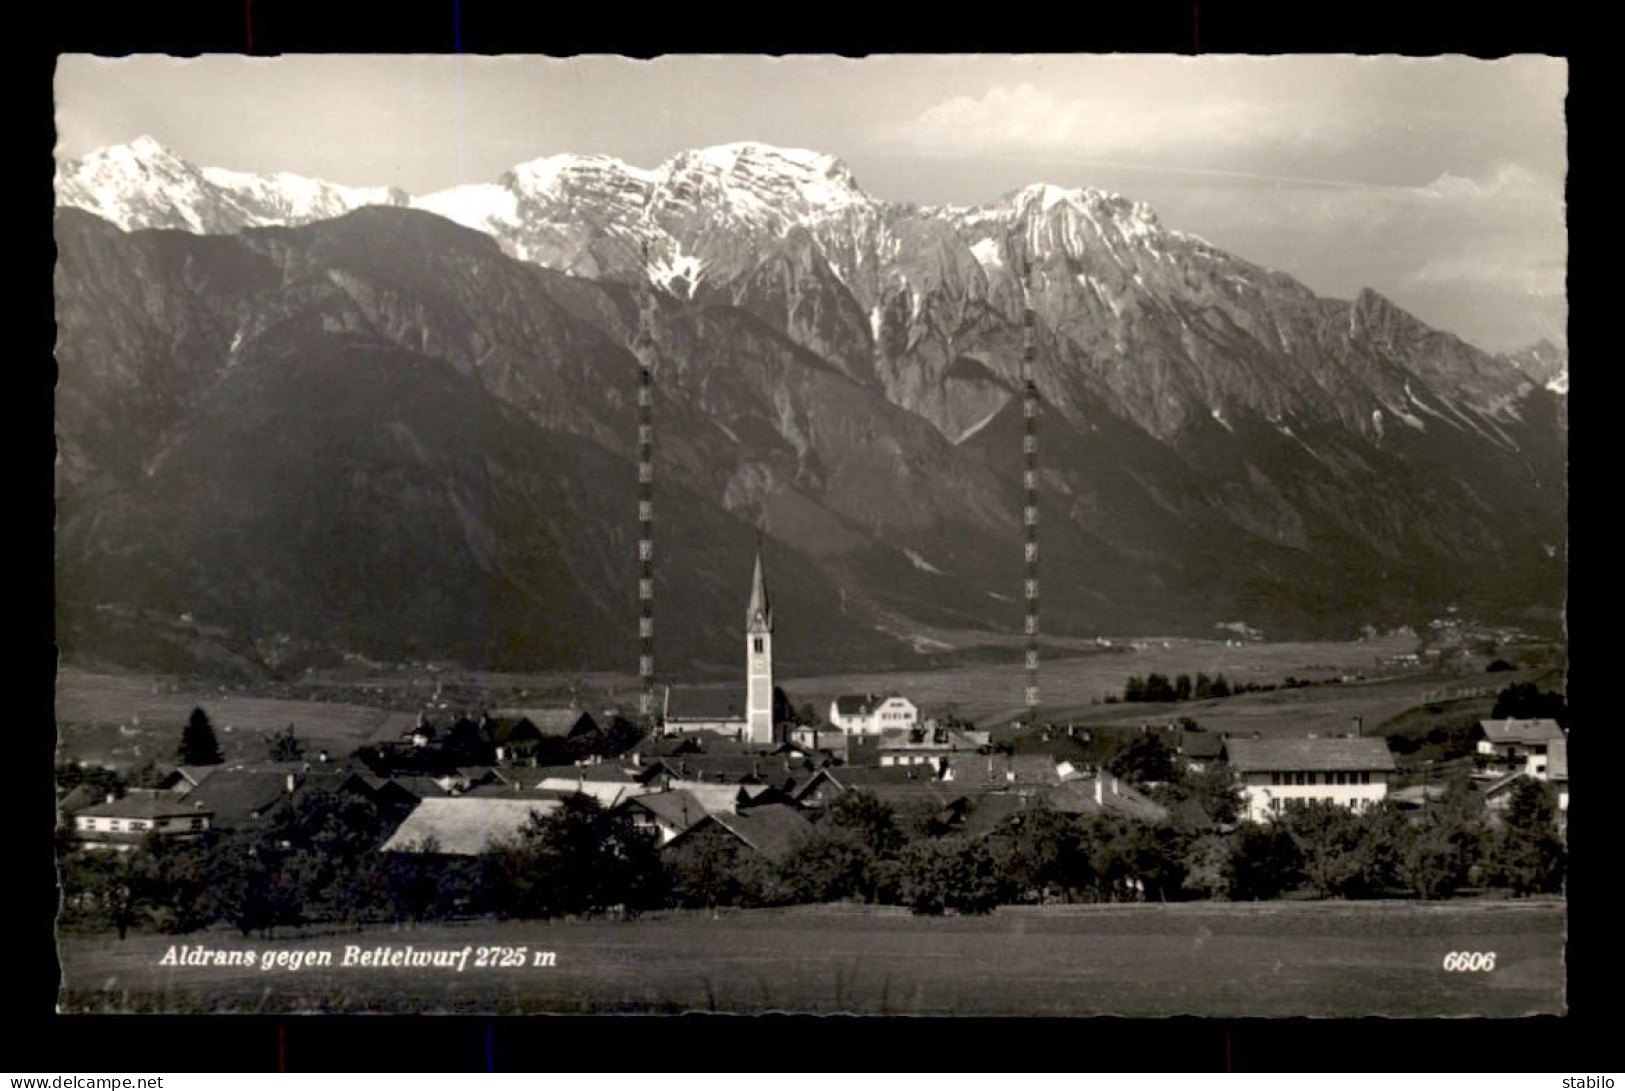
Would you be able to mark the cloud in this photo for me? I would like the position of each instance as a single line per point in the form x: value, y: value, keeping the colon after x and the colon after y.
x: 1028, y: 119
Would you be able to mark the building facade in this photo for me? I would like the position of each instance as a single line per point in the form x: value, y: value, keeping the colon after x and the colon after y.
x: 871, y: 714
x: 1276, y: 773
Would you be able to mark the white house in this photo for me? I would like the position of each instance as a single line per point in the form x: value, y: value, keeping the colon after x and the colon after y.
x: 121, y: 824
x: 1277, y: 772
x: 870, y: 714
x: 1515, y: 743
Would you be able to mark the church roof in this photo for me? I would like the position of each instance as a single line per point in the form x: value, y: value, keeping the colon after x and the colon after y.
x: 723, y: 703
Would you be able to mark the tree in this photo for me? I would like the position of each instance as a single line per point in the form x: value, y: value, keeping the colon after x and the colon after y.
x: 1134, y: 690
x: 1221, y: 688
x: 1182, y: 688
x: 1330, y: 842
x: 1525, y: 701
x: 1158, y: 689
x: 283, y: 746
x: 579, y: 859
x: 1529, y: 855
x: 198, y: 744
x: 1148, y: 758
x: 1264, y: 862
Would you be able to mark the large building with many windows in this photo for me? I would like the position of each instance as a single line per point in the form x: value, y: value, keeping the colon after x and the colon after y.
x: 1276, y: 773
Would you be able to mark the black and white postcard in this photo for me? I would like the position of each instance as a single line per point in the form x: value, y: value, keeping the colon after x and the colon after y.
x: 1044, y: 535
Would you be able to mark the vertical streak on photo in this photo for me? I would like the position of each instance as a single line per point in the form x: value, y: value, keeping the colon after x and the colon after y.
x: 646, y: 545
x: 1029, y: 481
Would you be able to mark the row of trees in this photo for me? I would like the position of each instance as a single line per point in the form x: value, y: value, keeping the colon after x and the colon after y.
x: 316, y: 860
x: 1159, y: 689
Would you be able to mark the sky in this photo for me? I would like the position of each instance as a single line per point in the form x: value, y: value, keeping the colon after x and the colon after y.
x: 1436, y: 181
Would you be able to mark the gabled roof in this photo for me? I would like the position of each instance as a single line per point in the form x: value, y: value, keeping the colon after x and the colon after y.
x: 144, y: 804
x: 1201, y: 744
x: 679, y: 809
x: 992, y: 811
x: 1520, y: 731
x: 1105, y: 796
x: 723, y: 703
x: 1291, y: 755
x: 712, y: 797
x: 236, y: 795
x: 465, y: 825
x: 857, y: 704
x: 78, y: 799
x: 505, y: 730
x: 893, y: 784
x: 604, y: 772
x: 773, y: 831
x: 1001, y: 770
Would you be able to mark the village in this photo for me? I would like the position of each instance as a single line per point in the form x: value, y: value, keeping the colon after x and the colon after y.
x: 733, y: 796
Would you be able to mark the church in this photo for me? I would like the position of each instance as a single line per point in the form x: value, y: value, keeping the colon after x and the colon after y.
x: 743, y: 713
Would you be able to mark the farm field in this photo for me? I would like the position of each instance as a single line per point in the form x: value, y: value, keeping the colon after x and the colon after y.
x: 124, y: 720
x: 1215, y: 959
x: 1073, y: 687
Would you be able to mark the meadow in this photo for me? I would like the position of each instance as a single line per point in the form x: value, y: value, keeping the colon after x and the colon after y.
x: 1339, y: 959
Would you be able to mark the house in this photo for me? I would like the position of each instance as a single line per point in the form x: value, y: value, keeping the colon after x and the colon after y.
x: 869, y: 714
x: 1557, y: 773
x: 667, y: 815
x: 514, y: 738
x: 987, y: 772
x: 1511, y: 743
x: 1274, y: 773
x: 183, y: 778
x: 1104, y: 794
x: 923, y: 745
x: 465, y: 825
x: 1200, y: 749
x: 772, y: 832
x: 820, y: 737
x: 243, y: 795
x: 897, y: 785
x: 121, y: 824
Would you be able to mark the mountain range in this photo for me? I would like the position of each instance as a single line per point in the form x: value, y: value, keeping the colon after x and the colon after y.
x: 356, y: 421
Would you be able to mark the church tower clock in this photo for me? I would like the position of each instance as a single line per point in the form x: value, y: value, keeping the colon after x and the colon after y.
x: 759, y: 660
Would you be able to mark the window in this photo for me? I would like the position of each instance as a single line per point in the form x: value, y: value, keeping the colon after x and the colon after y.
x: 1365, y: 778
x: 1275, y: 779
x: 758, y: 643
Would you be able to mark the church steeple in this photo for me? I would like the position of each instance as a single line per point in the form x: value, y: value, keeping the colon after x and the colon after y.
x: 759, y: 614
x: 759, y: 659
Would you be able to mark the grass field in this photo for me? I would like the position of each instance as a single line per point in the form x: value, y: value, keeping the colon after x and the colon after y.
x: 1073, y: 688
x: 124, y: 720
x: 1272, y: 959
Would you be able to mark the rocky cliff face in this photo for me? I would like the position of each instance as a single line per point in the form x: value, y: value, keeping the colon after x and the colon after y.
x: 1219, y: 444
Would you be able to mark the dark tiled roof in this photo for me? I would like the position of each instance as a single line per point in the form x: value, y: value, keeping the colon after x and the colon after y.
x: 1520, y: 731
x: 1201, y: 744
x: 1290, y: 755
x: 237, y: 795
x: 148, y: 804
x: 678, y: 808
x: 774, y: 831
x: 1114, y: 797
x: 726, y: 704
x: 856, y: 704
x: 600, y: 773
